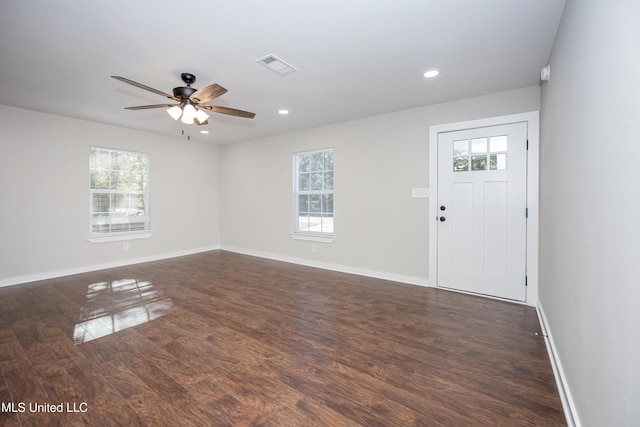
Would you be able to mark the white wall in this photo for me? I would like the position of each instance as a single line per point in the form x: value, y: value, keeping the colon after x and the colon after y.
x: 379, y: 229
x: 590, y: 208
x: 44, y: 195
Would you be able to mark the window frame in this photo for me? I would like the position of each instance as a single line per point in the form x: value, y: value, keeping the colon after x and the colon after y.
x: 109, y: 236
x: 317, y: 236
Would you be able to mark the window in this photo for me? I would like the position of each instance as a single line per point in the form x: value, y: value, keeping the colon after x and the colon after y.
x: 486, y: 154
x: 119, y: 193
x: 313, y: 193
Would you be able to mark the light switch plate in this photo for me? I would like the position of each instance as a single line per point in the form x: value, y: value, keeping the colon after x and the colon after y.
x: 420, y: 193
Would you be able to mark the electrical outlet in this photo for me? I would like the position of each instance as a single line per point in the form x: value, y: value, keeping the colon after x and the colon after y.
x: 125, y: 246
x: 313, y: 249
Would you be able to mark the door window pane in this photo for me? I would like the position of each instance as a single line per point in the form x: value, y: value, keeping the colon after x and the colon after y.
x: 461, y: 148
x: 498, y: 144
x: 479, y: 145
x: 461, y: 155
x: 498, y: 161
x: 460, y: 164
x: 479, y: 163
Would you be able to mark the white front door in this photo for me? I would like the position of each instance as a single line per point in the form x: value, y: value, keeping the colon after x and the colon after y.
x: 482, y: 182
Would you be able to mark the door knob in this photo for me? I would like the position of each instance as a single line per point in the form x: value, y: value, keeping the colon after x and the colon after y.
x: 442, y: 219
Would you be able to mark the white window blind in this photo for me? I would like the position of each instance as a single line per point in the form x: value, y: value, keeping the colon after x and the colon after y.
x: 119, y: 192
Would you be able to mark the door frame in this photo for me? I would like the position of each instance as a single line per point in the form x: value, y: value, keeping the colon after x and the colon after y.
x: 532, y: 118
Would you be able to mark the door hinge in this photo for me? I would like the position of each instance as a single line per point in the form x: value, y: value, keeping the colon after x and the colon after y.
x: 527, y: 144
x: 526, y: 280
x: 526, y: 213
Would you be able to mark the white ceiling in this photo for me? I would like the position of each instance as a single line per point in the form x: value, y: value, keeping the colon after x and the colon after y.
x: 355, y: 58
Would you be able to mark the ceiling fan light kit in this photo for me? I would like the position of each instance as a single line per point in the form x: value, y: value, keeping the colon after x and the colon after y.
x: 175, y: 112
x: 188, y: 114
x: 201, y: 116
x: 191, y: 101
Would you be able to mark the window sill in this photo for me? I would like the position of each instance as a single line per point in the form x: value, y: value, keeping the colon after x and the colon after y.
x: 312, y: 238
x: 115, y: 237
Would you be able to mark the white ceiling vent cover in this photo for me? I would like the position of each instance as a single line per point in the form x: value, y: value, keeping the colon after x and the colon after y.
x: 277, y: 65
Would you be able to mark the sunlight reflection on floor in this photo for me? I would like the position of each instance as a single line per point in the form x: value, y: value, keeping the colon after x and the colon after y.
x: 121, y: 304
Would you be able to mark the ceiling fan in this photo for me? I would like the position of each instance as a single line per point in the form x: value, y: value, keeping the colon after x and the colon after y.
x: 191, y: 101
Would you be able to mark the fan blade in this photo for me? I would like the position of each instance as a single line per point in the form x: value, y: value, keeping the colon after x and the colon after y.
x: 229, y: 111
x: 146, y: 107
x: 206, y: 122
x: 207, y: 93
x: 141, y: 86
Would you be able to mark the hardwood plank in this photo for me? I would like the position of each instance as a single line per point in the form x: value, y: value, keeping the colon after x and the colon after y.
x: 8, y: 418
x: 25, y: 387
x: 61, y: 389
x: 101, y: 397
x: 151, y: 408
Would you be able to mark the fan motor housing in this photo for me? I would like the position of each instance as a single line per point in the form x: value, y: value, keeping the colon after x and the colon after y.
x: 183, y: 92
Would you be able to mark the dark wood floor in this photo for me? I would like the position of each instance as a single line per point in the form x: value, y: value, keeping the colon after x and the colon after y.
x: 224, y: 339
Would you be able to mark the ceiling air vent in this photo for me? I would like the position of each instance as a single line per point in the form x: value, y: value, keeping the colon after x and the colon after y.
x: 277, y: 65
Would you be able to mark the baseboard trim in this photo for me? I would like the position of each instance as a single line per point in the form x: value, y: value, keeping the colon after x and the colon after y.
x: 89, y: 268
x: 568, y: 404
x: 411, y: 280
x: 300, y: 261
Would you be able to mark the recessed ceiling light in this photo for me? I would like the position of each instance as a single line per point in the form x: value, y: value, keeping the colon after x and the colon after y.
x: 431, y: 73
x: 283, y: 112
x: 204, y: 131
